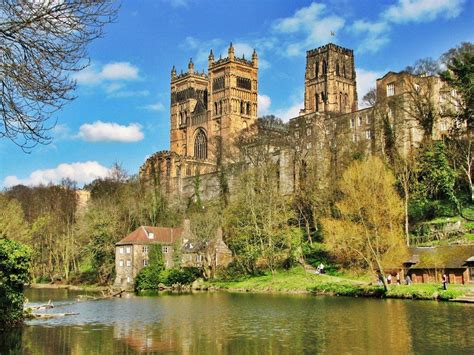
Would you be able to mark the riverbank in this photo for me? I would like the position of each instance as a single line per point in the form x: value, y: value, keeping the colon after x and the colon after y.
x: 300, y: 281
x: 88, y: 288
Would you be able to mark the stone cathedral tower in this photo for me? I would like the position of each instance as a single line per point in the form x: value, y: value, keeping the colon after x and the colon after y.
x: 330, y: 80
x: 207, y: 108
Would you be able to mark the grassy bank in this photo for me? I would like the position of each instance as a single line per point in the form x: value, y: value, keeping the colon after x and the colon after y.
x: 298, y: 280
x: 91, y: 288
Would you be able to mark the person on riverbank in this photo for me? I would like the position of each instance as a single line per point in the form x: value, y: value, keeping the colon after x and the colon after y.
x: 398, y: 278
x: 389, y: 279
x: 408, y: 280
x: 445, y: 281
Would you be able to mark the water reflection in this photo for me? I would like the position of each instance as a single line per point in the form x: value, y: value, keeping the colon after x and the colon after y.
x: 225, y: 323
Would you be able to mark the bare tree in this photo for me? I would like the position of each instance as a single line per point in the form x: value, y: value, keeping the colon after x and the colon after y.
x: 41, y: 43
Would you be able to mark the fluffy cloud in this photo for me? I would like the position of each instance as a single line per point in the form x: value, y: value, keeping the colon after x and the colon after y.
x: 109, y: 72
x: 290, y: 112
x: 375, y: 35
x: 366, y: 80
x: 422, y: 10
x: 309, y: 27
x: 110, y: 132
x: 80, y: 172
x: 263, y: 102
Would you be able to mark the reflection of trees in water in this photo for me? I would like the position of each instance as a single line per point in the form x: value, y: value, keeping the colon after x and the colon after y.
x: 10, y: 341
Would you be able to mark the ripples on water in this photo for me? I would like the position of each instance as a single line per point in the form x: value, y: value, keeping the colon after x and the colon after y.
x: 226, y: 323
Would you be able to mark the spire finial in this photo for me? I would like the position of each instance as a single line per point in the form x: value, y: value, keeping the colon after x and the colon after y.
x: 231, y: 51
x: 191, y: 66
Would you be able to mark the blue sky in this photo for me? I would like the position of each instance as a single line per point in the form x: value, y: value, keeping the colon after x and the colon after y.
x: 122, y: 110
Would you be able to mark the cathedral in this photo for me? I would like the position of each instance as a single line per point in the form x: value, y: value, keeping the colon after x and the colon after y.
x: 210, y: 110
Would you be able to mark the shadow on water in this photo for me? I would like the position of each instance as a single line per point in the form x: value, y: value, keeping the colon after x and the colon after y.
x: 229, y: 323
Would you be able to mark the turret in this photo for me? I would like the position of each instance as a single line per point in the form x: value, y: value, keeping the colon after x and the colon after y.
x: 173, y: 72
x: 191, y: 66
x: 211, y: 58
x: 231, y: 52
x: 255, y: 59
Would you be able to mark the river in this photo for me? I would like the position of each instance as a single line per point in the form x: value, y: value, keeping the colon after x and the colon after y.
x: 233, y: 323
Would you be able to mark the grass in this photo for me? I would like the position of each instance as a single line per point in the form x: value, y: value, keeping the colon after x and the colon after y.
x: 298, y: 280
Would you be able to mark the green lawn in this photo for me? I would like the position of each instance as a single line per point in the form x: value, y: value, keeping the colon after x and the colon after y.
x: 298, y: 280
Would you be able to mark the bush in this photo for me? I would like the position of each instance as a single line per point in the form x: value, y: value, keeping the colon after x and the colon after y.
x: 149, y: 278
x: 180, y: 276
x: 317, y: 253
x: 14, y: 273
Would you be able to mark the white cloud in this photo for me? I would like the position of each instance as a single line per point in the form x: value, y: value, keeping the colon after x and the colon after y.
x: 110, y: 132
x: 263, y: 102
x: 422, y: 10
x: 155, y: 107
x: 128, y: 93
x: 309, y: 27
x: 177, y: 3
x: 375, y: 35
x: 116, y: 71
x: 366, y: 80
x: 290, y: 112
x: 80, y: 172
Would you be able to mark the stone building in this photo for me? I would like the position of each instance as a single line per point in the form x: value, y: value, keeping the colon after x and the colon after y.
x: 131, y: 253
x: 210, y: 111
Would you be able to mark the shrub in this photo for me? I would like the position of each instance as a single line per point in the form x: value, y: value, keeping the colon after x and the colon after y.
x: 14, y: 273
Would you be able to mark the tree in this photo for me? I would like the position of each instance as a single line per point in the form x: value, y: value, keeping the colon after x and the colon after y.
x: 460, y: 76
x: 368, y: 232
x: 14, y: 274
x: 41, y: 44
x: 205, y: 224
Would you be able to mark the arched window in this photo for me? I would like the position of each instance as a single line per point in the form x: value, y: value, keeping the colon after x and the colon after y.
x: 346, y: 100
x: 220, y: 107
x: 316, y: 70
x: 340, y: 102
x: 325, y: 67
x: 180, y: 118
x: 242, y: 107
x: 316, y: 103
x: 344, y: 71
x: 337, y: 68
x: 200, y: 145
x: 248, y: 108
x: 215, y: 108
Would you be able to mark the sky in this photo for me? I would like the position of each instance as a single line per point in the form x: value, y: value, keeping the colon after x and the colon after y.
x: 121, y: 114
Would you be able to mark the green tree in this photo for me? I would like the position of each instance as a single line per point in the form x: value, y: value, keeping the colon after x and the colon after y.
x: 368, y: 232
x: 14, y: 274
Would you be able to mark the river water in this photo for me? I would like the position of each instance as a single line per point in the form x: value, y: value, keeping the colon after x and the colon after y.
x: 231, y: 323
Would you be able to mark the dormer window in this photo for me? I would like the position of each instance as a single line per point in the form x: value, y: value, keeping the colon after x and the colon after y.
x: 151, y: 235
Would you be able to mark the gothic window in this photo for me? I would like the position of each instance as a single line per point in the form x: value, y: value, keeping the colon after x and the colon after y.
x: 316, y: 101
x: 391, y: 89
x: 325, y: 67
x: 340, y: 101
x: 220, y: 107
x: 218, y: 83
x: 248, y: 108
x: 316, y: 70
x: 337, y: 68
x: 242, y: 107
x: 200, y: 145
x: 180, y: 118
x: 346, y: 100
x: 344, y: 71
x: 244, y: 83
x: 215, y: 108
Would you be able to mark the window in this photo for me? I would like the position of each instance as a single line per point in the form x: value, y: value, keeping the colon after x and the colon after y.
x: 145, y: 249
x: 200, y: 145
x: 352, y: 122
x: 367, y: 119
x: 325, y: 67
x: 128, y: 250
x: 368, y: 134
x: 354, y: 137
x: 129, y: 263
x: 308, y: 131
x: 248, y: 108
x: 297, y: 148
x: 360, y: 121
x: 316, y: 69
x: 165, y: 249
x: 297, y: 134
x: 216, y: 110
x: 390, y: 89
x: 145, y: 262
x: 128, y: 279
x: 121, y: 250
x: 337, y: 68
x: 309, y: 145
x: 120, y: 262
x: 244, y: 83
x: 316, y: 103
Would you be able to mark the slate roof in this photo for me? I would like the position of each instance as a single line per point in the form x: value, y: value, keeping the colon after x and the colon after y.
x: 449, y: 257
x: 152, y: 235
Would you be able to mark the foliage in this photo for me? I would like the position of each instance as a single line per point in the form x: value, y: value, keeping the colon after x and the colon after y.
x: 257, y: 222
x: 317, y: 253
x: 15, y: 262
x: 150, y: 278
x: 368, y: 234
x: 459, y: 75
